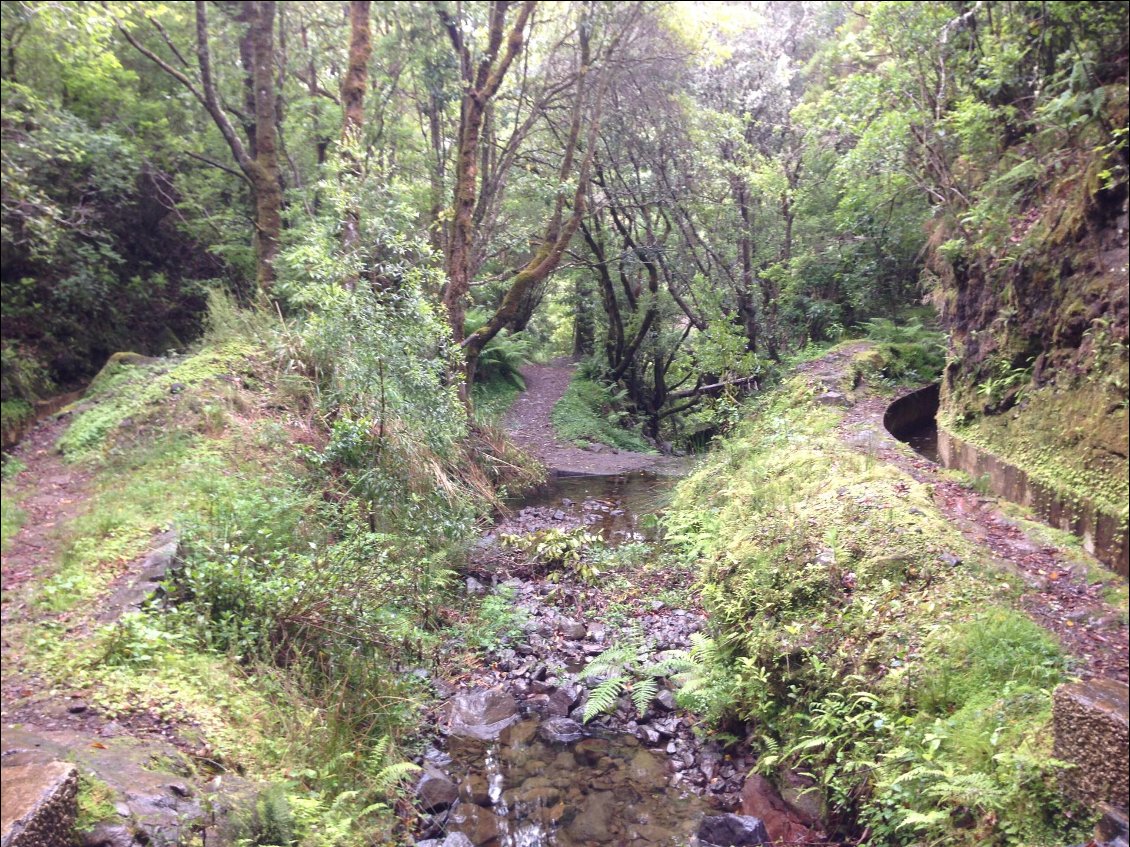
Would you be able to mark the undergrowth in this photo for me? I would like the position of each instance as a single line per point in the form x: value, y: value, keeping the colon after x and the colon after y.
x: 323, y: 491
x: 587, y: 414
x: 856, y: 658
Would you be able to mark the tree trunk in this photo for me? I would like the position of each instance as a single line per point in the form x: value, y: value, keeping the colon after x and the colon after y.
x: 353, y: 108
x: 268, y: 188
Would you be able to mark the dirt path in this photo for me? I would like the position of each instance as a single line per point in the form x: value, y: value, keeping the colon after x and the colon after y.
x: 1061, y: 591
x: 49, y: 492
x: 530, y: 426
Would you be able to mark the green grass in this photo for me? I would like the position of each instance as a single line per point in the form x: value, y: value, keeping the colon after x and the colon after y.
x: 493, y: 399
x: 11, y: 518
x: 586, y: 414
x: 910, y: 688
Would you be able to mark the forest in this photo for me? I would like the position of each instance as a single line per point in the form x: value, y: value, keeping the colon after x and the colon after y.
x: 505, y: 424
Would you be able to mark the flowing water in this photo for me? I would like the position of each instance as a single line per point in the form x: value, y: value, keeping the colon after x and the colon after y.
x: 530, y: 788
x: 598, y: 790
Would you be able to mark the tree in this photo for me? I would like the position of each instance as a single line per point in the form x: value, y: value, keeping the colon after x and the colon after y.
x: 257, y: 160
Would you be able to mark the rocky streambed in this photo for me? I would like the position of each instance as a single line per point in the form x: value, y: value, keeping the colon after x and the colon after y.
x: 513, y: 762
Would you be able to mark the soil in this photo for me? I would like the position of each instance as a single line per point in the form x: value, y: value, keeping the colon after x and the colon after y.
x: 50, y: 493
x: 530, y: 426
x: 1059, y: 590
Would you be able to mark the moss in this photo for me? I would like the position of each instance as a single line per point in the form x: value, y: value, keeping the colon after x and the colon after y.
x: 95, y: 803
x: 126, y: 390
x: 1070, y: 440
x: 11, y: 518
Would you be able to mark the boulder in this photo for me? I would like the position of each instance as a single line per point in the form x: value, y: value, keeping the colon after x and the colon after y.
x: 761, y: 800
x: 476, y: 824
x: 481, y: 714
x: 732, y: 830
x: 435, y: 791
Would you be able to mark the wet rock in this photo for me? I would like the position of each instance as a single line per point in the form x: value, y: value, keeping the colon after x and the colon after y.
x: 590, y: 751
x: 40, y: 803
x: 732, y: 830
x: 481, y: 714
x: 108, y: 835
x: 474, y: 587
x: 435, y: 791
x: 760, y: 799
x: 561, y: 731
x: 592, y: 825
x: 571, y: 629
x: 562, y: 701
x: 645, y: 768
x: 475, y: 789
x: 476, y: 823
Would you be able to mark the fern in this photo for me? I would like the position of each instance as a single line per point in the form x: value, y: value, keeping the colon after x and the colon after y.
x: 603, y: 698
x: 643, y: 692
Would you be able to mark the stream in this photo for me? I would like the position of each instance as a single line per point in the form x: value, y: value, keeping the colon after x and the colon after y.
x: 514, y: 764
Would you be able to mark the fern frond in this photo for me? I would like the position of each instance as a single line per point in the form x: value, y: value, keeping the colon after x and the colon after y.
x: 390, y: 777
x: 643, y: 692
x: 603, y: 698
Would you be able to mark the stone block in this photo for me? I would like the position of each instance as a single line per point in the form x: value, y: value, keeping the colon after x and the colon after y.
x: 39, y: 805
x: 1091, y: 731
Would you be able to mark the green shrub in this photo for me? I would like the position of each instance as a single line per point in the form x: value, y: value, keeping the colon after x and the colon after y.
x: 586, y: 414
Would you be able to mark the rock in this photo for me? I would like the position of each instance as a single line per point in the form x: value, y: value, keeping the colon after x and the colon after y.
x: 561, y: 731
x: 592, y: 825
x: 646, y: 768
x: 40, y: 804
x: 435, y: 791
x: 761, y: 800
x: 474, y: 587
x: 571, y: 629
x: 732, y: 830
x: 1090, y: 723
x: 590, y: 751
x: 475, y: 789
x: 457, y: 839
x: 481, y: 714
x: 476, y: 824
x: 109, y: 835
x: 666, y: 700
x: 77, y: 708
x: 802, y: 796
x: 562, y: 701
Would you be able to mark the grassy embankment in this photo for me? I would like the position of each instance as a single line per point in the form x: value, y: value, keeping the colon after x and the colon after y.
x: 320, y: 522
x: 864, y: 646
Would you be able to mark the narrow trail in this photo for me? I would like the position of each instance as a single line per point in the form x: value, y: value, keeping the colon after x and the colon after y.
x: 530, y: 426
x: 1060, y: 592
x: 49, y: 492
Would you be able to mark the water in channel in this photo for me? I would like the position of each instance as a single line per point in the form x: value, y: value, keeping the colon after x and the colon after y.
x: 527, y: 789
x: 598, y: 790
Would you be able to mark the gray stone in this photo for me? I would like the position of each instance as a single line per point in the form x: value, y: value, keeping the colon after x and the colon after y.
x: 481, y: 714
x: 571, y: 629
x: 666, y: 700
x: 732, y: 830
x: 39, y: 805
x: 435, y: 791
x: 109, y: 835
x: 561, y: 731
x: 457, y: 839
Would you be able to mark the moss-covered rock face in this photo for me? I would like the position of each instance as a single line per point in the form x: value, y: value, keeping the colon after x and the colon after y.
x: 1038, y: 370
